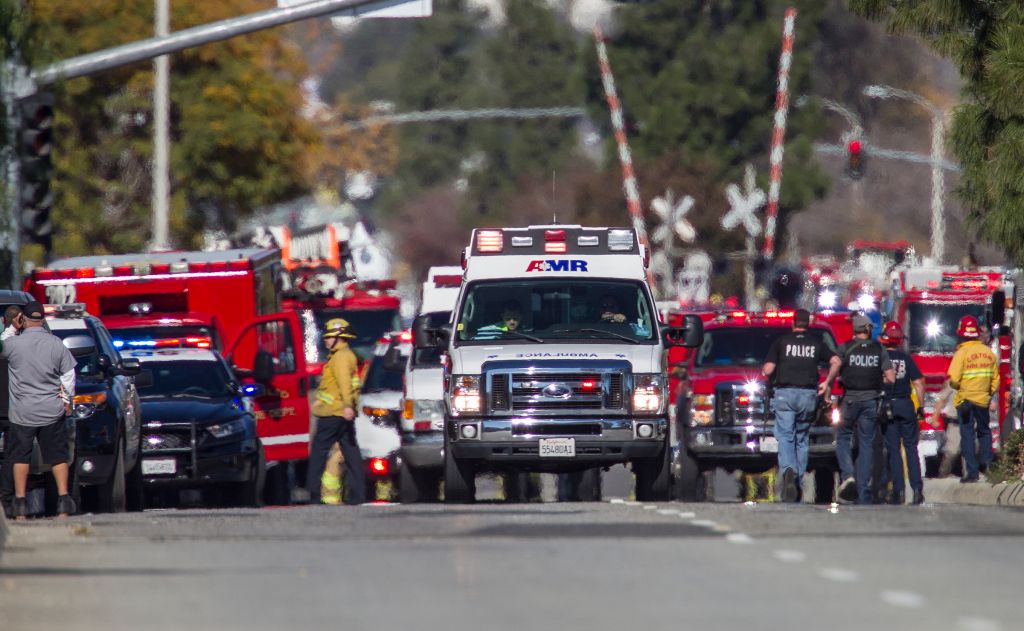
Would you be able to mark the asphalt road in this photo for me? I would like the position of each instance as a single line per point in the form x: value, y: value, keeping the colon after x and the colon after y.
x: 613, y: 565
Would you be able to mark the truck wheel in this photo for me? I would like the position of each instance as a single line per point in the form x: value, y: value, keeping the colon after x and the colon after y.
x: 580, y: 486
x: 459, y: 479
x: 136, y: 495
x: 690, y: 481
x: 111, y: 495
x: 250, y: 492
x: 824, y: 485
x: 417, y: 485
x: 653, y: 476
x: 275, y: 490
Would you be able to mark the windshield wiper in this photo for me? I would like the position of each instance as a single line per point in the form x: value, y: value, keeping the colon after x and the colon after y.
x: 522, y: 335
x: 631, y: 340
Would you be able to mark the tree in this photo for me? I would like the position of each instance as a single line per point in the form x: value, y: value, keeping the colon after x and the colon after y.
x: 238, y: 139
x: 985, y: 39
x: 700, y: 78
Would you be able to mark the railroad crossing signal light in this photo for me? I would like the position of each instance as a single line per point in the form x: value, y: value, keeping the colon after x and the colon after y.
x: 855, y: 159
x: 35, y: 144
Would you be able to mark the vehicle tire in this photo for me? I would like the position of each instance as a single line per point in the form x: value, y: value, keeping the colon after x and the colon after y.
x: 136, y: 494
x: 112, y: 494
x: 459, y: 479
x: 824, y: 485
x: 653, y: 476
x: 689, y: 481
x: 275, y: 490
x: 580, y: 486
x: 417, y: 485
x: 250, y: 492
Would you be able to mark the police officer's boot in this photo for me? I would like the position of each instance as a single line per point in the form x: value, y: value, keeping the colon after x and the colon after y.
x: 896, y: 498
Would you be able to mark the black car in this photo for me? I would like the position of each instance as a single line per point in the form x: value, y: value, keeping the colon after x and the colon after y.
x: 199, y: 431
x: 106, y: 413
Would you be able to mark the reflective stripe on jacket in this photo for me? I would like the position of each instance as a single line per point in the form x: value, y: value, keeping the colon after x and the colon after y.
x: 974, y: 373
x: 339, y: 385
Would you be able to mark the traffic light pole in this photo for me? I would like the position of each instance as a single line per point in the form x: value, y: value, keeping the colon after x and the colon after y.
x: 10, y: 263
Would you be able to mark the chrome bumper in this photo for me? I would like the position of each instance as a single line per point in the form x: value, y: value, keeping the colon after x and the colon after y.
x: 743, y: 441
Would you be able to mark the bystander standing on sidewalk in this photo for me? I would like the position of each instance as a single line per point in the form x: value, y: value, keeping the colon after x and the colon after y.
x: 41, y: 372
x: 974, y: 374
x: 12, y: 326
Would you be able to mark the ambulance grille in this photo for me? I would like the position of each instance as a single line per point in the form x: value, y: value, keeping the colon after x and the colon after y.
x: 614, y: 391
x: 499, y: 391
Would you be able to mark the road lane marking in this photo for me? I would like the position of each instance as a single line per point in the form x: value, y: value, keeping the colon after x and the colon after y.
x: 739, y: 538
x: 688, y: 515
x: 650, y: 507
x: 617, y: 500
x: 902, y: 599
x: 978, y: 624
x: 790, y: 556
x: 668, y: 511
x: 704, y: 523
x: 839, y: 575
x: 631, y: 503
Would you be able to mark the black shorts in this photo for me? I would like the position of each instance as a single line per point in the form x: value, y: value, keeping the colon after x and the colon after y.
x: 53, y: 442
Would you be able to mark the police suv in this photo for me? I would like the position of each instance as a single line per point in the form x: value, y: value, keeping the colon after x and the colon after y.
x: 556, y: 359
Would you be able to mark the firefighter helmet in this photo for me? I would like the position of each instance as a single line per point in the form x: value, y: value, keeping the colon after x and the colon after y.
x: 339, y: 327
x: 892, y: 334
x: 968, y: 328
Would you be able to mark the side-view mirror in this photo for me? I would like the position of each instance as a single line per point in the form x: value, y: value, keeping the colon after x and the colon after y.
x: 426, y: 335
x: 998, y: 309
x: 254, y: 390
x: 393, y: 360
x: 130, y: 366
x: 263, y: 367
x: 80, y: 345
x: 144, y: 379
x: 690, y: 335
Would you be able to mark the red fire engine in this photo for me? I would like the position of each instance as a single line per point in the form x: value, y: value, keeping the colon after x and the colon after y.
x: 929, y: 301
x: 228, y: 300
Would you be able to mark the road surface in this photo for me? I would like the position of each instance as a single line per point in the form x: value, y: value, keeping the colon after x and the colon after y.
x: 610, y: 565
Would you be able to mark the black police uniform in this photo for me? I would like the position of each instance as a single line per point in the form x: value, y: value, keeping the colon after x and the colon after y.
x: 903, y: 427
x: 864, y: 362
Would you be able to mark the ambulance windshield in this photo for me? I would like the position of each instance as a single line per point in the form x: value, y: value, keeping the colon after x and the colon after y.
x: 932, y: 326
x: 564, y: 309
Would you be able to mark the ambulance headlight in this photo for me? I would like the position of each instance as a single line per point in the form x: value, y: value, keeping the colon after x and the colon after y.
x: 465, y: 394
x: 648, y: 393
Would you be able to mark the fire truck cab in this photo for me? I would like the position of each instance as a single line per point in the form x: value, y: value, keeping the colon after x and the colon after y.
x: 556, y: 359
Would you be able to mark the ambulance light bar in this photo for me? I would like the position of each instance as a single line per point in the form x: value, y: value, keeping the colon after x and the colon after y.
x: 452, y: 280
x: 620, y: 240
x: 553, y: 240
x: 490, y: 241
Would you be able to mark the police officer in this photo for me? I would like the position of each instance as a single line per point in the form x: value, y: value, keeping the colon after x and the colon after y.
x: 792, y: 365
x: 335, y: 408
x: 865, y: 366
x: 904, y: 425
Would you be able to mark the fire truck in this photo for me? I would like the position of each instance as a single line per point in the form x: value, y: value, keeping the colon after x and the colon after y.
x: 724, y: 419
x: 228, y: 300
x: 928, y: 302
x: 324, y: 281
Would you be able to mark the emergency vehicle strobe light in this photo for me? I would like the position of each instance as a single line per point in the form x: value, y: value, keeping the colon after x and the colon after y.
x: 522, y: 242
x: 588, y: 241
x: 554, y: 241
x: 379, y: 466
x: 620, y: 240
x: 490, y: 241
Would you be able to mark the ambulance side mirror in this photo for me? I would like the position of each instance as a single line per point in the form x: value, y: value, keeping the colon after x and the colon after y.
x: 690, y: 335
x: 393, y: 360
x: 426, y: 336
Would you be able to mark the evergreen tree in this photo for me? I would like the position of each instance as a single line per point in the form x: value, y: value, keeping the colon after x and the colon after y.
x: 985, y: 39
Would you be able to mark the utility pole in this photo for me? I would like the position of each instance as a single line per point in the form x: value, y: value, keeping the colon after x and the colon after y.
x: 161, y: 136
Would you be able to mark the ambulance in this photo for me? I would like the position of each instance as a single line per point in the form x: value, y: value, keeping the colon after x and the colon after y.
x: 556, y: 359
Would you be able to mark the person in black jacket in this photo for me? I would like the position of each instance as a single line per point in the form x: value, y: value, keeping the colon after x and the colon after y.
x: 903, y: 428
x: 865, y: 367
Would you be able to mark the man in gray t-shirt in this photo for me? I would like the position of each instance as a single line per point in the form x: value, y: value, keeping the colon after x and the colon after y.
x: 41, y: 373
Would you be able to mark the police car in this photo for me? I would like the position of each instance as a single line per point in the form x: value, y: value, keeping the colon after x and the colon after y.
x: 555, y: 359
x: 105, y: 411
x: 199, y: 431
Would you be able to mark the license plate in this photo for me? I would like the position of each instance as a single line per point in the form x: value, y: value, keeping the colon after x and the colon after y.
x: 168, y: 466
x: 928, y: 448
x: 769, y: 444
x: 557, y: 447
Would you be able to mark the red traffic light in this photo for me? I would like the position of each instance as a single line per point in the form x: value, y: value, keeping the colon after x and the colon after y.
x: 854, y: 147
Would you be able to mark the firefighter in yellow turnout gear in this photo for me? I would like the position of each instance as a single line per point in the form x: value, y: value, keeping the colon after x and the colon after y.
x: 335, y: 408
x: 974, y: 373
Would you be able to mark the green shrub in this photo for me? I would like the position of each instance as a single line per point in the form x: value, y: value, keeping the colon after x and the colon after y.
x: 1008, y: 466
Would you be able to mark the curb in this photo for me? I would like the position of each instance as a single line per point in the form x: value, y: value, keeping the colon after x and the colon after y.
x: 950, y: 491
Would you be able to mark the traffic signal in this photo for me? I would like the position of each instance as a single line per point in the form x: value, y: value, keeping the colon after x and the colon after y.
x: 855, y: 159
x: 34, y: 148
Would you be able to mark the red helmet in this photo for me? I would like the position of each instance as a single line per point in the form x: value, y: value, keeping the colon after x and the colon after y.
x: 892, y: 334
x: 968, y: 328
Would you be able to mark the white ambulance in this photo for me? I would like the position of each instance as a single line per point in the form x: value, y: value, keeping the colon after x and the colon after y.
x: 556, y: 359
